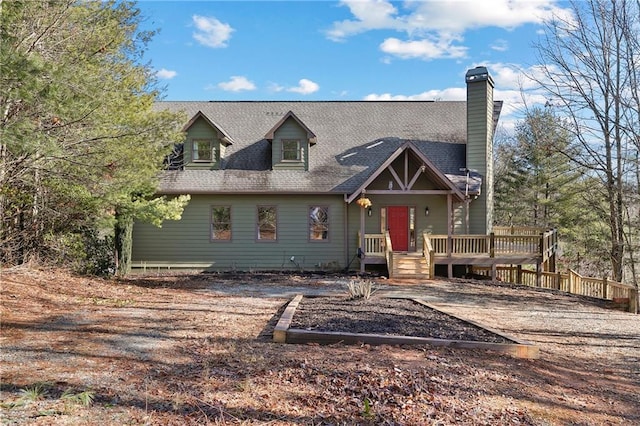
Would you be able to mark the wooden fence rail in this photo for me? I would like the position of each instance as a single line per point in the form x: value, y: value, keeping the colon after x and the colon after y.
x: 570, y: 282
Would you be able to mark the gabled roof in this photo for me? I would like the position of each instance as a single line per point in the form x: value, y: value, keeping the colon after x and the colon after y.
x: 311, y: 137
x: 357, y: 137
x: 224, y: 136
x: 430, y: 170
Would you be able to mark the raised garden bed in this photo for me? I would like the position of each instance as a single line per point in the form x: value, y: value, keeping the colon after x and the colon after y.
x: 379, y: 320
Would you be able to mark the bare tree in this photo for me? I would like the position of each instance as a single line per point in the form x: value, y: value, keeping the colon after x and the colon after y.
x: 589, y: 70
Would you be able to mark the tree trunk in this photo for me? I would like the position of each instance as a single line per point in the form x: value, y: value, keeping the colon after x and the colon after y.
x: 123, y: 243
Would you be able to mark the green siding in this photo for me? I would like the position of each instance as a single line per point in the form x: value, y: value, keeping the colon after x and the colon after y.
x: 480, y: 152
x: 187, y: 240
x: 290, y: 129
x: 202, y: 130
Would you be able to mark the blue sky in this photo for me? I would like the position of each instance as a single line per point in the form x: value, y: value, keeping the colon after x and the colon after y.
x: 345, y: 50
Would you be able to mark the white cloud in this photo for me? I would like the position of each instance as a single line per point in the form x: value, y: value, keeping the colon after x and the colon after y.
x: 513, y: 87
x: 422, y: 49
x: 460, y: 16
x: 369, y: 14
x: 501, y: 45
x: 514, y: 76
x: 450, y: 94
x: 275, y: 87
x: 431, y: 26
x: 237, y: 84
x: 211, y: 32
x: 166, y: 74
x: 516, y: 86
x: 442, y: 16
x: 304, y: 87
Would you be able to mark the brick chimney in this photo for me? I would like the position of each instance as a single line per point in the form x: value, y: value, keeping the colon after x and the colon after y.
x: 480, y: 146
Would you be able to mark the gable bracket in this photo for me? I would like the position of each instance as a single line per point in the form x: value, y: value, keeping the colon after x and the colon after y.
x: 402, y: 185
x: 416, y: 176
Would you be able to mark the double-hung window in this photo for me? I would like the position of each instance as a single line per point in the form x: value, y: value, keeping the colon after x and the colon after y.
x: 220, y: 223
x: 291, y: 150
x: 318, y: 223
x: 202, y: 150
x: 267, y: 226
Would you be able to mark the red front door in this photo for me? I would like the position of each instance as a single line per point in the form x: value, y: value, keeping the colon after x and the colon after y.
x: 398, y: 226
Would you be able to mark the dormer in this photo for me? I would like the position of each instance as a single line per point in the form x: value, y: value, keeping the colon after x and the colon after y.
x: 290, y: 141
x: 205, y: 144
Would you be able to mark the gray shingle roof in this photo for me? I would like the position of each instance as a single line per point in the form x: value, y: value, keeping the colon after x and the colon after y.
x: 353, y: 139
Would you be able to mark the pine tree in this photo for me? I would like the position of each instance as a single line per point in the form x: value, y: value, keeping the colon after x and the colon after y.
x: 79, y: 139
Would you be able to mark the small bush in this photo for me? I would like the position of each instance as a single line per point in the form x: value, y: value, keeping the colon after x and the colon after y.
x: 85, y: 251
x: 360, y: 289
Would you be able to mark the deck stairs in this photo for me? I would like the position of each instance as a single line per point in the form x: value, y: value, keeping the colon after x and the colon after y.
x: 409, y: 265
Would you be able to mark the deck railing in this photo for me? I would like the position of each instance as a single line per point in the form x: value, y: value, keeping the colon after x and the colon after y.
x: 543, y: 244
x: 570, y: 282
x: 374, y: 244
x: 518, y: 230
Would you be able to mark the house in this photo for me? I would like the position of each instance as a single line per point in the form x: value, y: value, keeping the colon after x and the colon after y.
x: 279, y: 185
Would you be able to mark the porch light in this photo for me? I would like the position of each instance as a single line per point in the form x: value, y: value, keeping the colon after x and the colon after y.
x: 426, y: 211
x: 369, y: 212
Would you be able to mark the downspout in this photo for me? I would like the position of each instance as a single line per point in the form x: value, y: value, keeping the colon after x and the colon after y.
x: 345, y: 231
x: 449, y: 233
x: 449, y: 215
x: 466, y: 214
x: 362, y: 240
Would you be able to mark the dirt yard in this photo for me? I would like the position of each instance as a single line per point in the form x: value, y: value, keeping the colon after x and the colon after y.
x: 196, y: 350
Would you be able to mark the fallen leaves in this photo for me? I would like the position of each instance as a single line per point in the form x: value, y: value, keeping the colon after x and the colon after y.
x: 161, y: 350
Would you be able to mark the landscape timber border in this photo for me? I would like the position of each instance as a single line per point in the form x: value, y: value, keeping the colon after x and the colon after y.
x: 283, y: 333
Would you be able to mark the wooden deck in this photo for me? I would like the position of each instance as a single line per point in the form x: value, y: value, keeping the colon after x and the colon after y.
x: 504, y: 246
x: 500, y: 254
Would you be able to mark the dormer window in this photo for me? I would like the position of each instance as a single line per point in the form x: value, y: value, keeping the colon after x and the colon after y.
x: 291, y: 150
x: 290, y: 141
x: 205, y: 145
x: 203, y: 150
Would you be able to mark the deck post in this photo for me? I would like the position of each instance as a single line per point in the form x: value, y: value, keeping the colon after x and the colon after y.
x: 554, y: 245
x: 492, y: 244
x: 362, y: 240
x: 571, y: 282
x: 539, y: 273
x: 604, y: 287
x: 519, y: 274
x: 449, y: 251
x: 466, y: 215
x: 633, y: 301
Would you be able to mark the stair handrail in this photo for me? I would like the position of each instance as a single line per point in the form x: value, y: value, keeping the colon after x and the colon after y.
x: 428, y: 253
x: 388, y: 250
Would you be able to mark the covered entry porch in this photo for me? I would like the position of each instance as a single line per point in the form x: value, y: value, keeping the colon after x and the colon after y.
x: 405, y: 198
